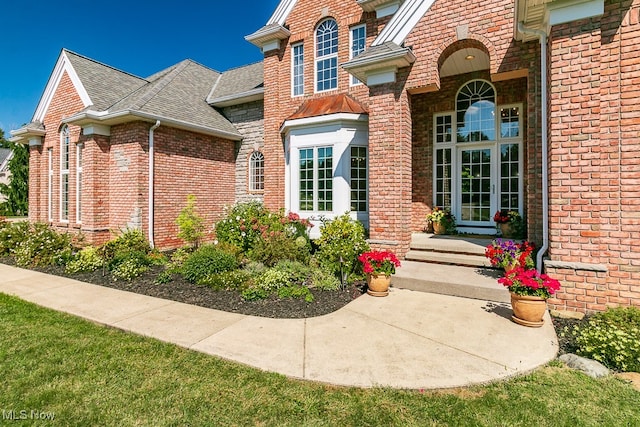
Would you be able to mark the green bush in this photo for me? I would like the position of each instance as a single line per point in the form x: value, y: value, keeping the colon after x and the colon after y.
x: 255, y: 268
x: 254, y: 293
x: 295, y: 291
x: 129, y: 265
x: 164, y: 278
x: 296, y: 271
x: 11, y: 235
x: 190, y: 224
x: 205, y: 261
x: 612, y: 338
x: 88, y: 259
x: 324, y: 280
x: 228, y: 281
x: 341, y: 241
x: 128, y: 241
x: 42, y: 246
x: 243, y: 224
x: 277, y: 246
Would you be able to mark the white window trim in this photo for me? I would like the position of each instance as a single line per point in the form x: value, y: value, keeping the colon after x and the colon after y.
x: 293, y: 69
x: 353, y: 80
x: 316, y: 188
x: 50, y: 184
x: 64, y: 172
x: 252, y: 172
x: 366, y: 147
x: 318, y: 59
x: 79, y: 162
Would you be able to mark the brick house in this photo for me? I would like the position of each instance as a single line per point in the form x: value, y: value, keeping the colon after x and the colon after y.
x: 384, y: 109
x: 98, y: 132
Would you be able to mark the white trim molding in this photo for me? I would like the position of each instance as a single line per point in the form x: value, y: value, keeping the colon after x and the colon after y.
x: 63, y: 65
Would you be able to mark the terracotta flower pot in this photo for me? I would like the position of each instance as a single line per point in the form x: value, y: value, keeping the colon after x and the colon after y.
x: 506, y: 230
x: 378, y: 284
x: 439, y: 228
x: 528, y: 310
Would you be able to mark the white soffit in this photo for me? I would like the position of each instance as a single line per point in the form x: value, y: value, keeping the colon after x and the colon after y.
x: 457, y: 62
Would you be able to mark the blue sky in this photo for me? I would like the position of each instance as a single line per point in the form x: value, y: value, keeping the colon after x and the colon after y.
x: 137, y: 36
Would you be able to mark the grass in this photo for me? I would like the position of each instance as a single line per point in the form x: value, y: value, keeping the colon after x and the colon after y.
x: 87, y: 374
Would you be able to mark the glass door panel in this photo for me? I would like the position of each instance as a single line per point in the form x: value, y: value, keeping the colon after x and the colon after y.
x: 476, y: 186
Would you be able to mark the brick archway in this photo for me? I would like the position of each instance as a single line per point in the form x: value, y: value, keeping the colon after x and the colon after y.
x: 447, y: 48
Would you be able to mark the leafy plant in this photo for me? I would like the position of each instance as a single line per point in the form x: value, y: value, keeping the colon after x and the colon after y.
x: 612, y: 338
x: 129, y: 265
x: 205, y: 261
x: 164, y: 277
x: 379, y: 262
x: 88, y: 259
x: 324, y: 280
x: 295, y: 291
x: 444, y: 217
x: 341, y: 241
x: 129, y: 240
x: 276, y: 246
x: 243, y: 224
x: 42, y: 246
x: 529, y: 282
x: 12, y: 234
x: 190, y: 224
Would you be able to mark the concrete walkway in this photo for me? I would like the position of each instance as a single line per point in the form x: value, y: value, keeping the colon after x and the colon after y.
x: 406, y: 340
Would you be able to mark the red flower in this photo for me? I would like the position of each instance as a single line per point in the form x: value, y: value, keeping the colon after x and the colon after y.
x: 379, y: 262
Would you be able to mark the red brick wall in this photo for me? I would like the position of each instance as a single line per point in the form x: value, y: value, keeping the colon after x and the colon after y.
x: 595, y: 158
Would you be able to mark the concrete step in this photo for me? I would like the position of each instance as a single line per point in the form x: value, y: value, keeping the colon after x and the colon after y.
x: 447, y: 258
x: 466, y: 282
x: 451, y: 244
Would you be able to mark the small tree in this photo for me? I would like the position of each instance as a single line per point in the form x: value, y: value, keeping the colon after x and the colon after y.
x: 190, y: 224
x: 17, y: 190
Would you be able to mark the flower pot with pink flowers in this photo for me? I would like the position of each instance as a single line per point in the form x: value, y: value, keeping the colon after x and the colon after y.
x: 379, y: 266
x: 529, y: 293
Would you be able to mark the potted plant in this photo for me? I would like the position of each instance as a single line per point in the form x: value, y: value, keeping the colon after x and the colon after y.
x: 529, y: 293
x: 510, y: 223
x: 379, y: 266
x: 442, y: 220
x: 508, y: 254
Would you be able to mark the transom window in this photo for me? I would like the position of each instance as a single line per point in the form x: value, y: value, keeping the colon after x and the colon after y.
x: 327, y: 55
x: 297, y: 69
x: 64, y: 173
x: 256, y: 171
x: 358, y: 42
x: 476, y: 112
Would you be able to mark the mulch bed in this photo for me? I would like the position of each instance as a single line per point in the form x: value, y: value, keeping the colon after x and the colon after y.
x: 180, y: 290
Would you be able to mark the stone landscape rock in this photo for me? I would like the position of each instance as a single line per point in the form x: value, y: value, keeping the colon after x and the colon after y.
x: 590, y: 367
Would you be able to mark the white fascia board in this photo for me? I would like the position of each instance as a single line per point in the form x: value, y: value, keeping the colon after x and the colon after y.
x: 323, y: 120
x: 62, y: 65
x: 282, y: 12
x: 238, y: 98
x: 124, y: 116
x: 562, y: 13
x: 403, y: 22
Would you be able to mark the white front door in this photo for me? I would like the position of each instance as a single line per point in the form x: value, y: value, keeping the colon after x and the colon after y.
x: 476, y: 199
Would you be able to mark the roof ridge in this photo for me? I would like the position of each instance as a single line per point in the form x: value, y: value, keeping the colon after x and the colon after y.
x: 243, y: 66
x: 161, y: 84
x: 102, y: 64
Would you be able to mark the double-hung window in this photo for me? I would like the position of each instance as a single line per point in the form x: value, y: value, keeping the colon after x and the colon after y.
x: 327, y: 56
x: 297, y: 69
x: 64, y: 174
x: 316, y: 179
x: 79, y: 148
x: 358, y: 42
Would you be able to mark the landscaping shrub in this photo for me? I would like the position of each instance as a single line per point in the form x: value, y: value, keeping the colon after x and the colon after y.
x: 128, y: 241
x: 286, y: 280
x: 129, y: 265
x: 341, y: 241
x: 243, y: 223
x: 255, y: 268
x: 296, y: 271
x: 324, y: 280
x: 88, y: 259
x: 612, y: 338
x: 295, y: 291
x: 205, y: 261
x: 11, y: 235
x: 190, y: 224
x: 42, y: 246
x: 228, y: 280
x: 276, y: 246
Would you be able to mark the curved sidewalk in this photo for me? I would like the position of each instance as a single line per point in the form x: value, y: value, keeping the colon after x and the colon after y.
x: 406, y: 340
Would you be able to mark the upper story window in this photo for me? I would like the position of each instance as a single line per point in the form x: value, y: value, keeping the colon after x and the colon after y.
x: 256, y: 171
x: 297, y: 69
x: 327, y: 55
x: 358, y: 42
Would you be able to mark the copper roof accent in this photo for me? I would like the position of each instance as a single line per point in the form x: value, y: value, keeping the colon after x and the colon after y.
x: 331, y: 104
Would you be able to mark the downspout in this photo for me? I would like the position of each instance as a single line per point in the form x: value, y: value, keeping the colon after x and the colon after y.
x: 545, y: 151
x: 151, y: 183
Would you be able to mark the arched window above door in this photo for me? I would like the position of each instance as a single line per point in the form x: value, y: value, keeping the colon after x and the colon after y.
x: 476, y: 112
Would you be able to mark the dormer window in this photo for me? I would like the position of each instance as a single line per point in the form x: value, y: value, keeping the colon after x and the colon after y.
x: 327, y: 56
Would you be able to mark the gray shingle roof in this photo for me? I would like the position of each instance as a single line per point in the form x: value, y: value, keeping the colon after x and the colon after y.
x: 4, y: 153
x: 237, y: 81
x: 105, y: 85
x: 180, y: 93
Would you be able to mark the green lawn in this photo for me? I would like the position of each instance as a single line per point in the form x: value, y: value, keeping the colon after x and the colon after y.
x: 87, y: 374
